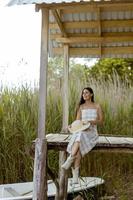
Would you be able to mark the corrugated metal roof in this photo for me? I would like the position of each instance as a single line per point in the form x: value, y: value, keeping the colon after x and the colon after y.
x: 106, y: 32
x: 20, y: 2
x: 93, y: 17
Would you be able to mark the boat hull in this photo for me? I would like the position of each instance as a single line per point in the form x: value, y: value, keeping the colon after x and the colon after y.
x: 19, y: 191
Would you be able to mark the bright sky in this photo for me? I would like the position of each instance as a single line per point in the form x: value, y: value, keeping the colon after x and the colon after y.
x: 20, y: 36
x: 19, y: 43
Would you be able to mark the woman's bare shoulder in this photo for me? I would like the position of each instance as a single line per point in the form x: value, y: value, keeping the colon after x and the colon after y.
x: 82, y: 106
x: 97, y: 105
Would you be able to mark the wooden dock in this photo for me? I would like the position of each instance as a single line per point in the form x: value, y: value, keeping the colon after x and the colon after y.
x: 105, y: 143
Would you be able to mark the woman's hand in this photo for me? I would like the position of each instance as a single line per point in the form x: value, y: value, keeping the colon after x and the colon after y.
x: 68, y: 128
x: 85, y: 122
x: 92, y: 122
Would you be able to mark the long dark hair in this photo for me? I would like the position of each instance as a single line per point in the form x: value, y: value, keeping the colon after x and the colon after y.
x: 82, y: 101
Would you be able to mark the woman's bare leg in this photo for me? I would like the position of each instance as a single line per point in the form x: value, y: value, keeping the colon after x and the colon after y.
x: 75, y: 168
x: 77, y: 160
x: 75, y: 148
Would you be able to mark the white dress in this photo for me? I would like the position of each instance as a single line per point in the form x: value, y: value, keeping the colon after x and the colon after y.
x: 87, y: 138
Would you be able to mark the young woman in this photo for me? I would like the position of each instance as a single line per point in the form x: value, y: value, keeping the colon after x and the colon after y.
x: 83, y: 141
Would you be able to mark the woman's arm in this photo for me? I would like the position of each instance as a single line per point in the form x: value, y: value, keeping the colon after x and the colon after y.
x: 78, y: 115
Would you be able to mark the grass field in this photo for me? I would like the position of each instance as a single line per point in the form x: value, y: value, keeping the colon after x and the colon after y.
x: 18, y: 127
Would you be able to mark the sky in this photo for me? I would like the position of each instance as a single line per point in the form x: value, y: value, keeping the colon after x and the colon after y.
x: 20, y: 32
x: 20, y: 36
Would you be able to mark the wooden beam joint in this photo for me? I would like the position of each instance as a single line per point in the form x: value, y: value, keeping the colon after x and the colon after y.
x: 59, y: 22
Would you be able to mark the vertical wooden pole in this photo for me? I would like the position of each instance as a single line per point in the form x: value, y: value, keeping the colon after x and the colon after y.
x: 65, y: 89
x: 40, y: 174
x: 65, y: 97
x: 43, y: 73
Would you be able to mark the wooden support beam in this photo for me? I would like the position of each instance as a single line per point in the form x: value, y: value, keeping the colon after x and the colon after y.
x: 117, y: 50
x: 40, y: 171
x: 61, y: 193
x: 64, y: 176
x: 117, y: 23
x: 95, y: 51
x: 117, y: 34
x: 58, y: 35
x: 94, y: 8
x: 43, y: 73
x: 94, y: 39
x: 91, y: 35
x: 94, y: 24
x: 40, y: 175
x: 99, y: 30
x: 65, y: 94
x: 59, y: 22
x: 78, y: 51
x: 72, y: 25
x: 80, y: 9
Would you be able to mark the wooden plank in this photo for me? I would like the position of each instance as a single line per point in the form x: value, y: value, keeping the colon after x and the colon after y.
x: 95, y: 51
x: 117, y: 50
x: 120, y: 141
x: 93, y: 40
x: 94, y: 24
x: 102, y: 139
x: 72, y: 25
x: 117, y: 23
x: 87, y: 35
x: 104, y: 143
x: 118, y: 8
x: 57, y: 137
x: 53, y: 36
x: 94, y: 8
x: 78, y: 51
x: 80, y: 9
x: 117, y: 34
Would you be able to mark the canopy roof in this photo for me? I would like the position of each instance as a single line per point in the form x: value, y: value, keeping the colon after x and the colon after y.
x: 91, y: 28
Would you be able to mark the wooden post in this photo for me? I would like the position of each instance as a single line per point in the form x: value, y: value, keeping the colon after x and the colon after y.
x: 40, y: 174
x: 65, y: 89
x: 63, y: 176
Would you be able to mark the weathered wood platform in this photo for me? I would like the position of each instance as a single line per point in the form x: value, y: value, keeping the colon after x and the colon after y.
x: 108, y: 143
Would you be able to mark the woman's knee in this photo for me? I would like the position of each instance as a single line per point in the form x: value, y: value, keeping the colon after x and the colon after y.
x: 75, y: 148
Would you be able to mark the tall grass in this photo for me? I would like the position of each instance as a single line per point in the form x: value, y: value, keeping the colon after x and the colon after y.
x: 18, y: 127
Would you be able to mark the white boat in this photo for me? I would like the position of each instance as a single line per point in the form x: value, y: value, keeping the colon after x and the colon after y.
x: 19, y: 191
